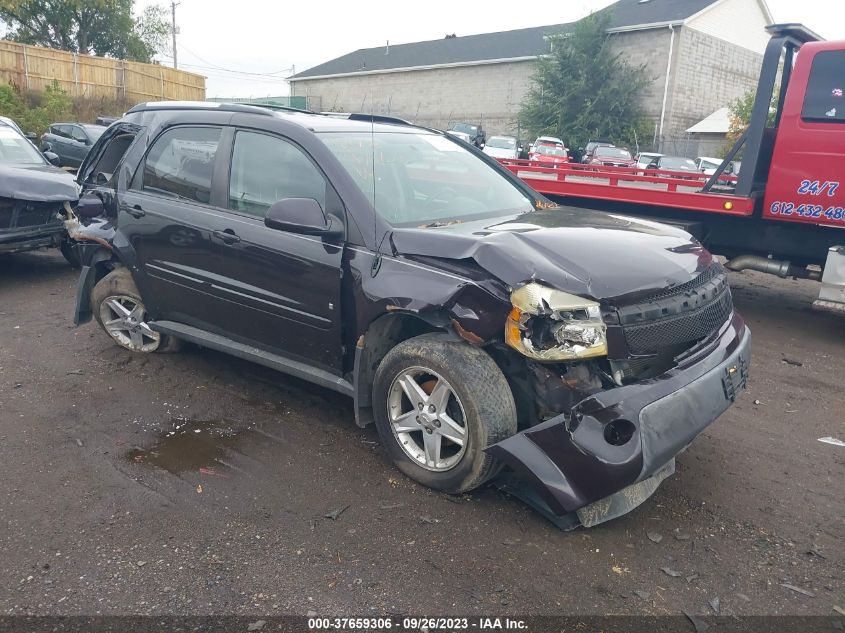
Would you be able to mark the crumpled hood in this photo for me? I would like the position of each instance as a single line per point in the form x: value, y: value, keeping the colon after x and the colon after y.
x: 588, y: 253
x: 37, y: 183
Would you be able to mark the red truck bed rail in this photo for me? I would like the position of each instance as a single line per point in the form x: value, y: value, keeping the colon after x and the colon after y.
x: 681, y: 190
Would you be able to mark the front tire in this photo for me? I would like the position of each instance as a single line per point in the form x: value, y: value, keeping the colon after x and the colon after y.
x: 120, y: 311
x: 438, y: 404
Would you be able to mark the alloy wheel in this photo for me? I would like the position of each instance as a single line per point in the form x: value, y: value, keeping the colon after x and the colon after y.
x: 427, y: 419
x: 123, y: 317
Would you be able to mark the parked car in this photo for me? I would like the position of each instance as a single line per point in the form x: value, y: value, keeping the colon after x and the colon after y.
x: 546, y: 140
x: 590, y: 147
x: 502, y: 147
x: 673, y: 163
x: 644, y: 159
x: 105, y: 120
x: 708, y: 165
x: 546, y: 153
x: 475, y: 324
x: 466, y: 138
x: 475, y: 132
x: 611, y: 156
x: 33, y: 194
x: 70, y: 141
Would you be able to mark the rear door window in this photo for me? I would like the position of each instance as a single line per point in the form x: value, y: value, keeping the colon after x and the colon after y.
x: 266, y: 169
x: 824, y: 101
x: 181, y: 163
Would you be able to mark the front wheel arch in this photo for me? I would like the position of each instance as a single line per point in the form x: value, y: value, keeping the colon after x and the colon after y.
x: 383, y: 334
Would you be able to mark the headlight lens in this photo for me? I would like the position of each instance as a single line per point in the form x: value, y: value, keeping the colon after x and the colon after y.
x: 547, y: 324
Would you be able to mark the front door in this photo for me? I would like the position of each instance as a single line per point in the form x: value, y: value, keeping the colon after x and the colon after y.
x: 277, y: 289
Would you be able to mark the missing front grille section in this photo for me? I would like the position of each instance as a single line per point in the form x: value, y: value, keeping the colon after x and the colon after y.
x: 16, y: 214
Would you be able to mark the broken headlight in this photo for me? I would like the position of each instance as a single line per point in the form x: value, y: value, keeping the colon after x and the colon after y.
x: 547, y: 324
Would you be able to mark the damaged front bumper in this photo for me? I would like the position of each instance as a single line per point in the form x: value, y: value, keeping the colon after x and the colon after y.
x: 576, y: 472
x: 30, y: 238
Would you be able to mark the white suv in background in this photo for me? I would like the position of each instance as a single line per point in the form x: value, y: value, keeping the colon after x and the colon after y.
x: 502, y: 147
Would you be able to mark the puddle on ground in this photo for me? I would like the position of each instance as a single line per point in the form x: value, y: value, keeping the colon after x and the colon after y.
x: 193, y: 446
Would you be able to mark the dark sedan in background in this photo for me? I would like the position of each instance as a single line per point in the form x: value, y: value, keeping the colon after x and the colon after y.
x: 70, y: 141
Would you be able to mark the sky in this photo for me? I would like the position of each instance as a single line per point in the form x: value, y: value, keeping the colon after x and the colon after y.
x: 247, y: 48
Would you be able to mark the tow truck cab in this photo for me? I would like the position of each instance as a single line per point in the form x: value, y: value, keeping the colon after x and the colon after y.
x: 795, y: 163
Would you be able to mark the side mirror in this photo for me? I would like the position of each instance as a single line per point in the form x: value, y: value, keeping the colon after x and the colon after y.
x: 90, y: 206
x: 300, y: 215
x: 52, y: 158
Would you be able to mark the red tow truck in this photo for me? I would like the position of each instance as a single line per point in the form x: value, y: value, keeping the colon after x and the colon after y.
x: 785, y: 212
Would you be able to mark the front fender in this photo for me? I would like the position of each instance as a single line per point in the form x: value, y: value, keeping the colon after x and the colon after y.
x: 91, y: 255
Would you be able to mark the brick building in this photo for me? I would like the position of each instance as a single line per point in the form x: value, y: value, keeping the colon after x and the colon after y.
x: 702, y: 54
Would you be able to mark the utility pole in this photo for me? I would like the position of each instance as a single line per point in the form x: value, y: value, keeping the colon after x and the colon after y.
x: 173, y: 6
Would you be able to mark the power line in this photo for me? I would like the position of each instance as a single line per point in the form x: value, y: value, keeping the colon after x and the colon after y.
x: 243, y: 72
x: 257, y: 76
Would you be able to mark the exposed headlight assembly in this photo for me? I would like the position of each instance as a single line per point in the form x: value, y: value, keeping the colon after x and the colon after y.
x: 547, y: 324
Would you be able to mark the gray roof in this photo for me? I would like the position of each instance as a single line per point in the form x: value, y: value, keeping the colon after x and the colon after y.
x: 528, y: 42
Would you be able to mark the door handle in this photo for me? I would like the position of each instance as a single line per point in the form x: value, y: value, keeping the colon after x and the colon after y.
x: 227, y: 237
x: 135, y: 211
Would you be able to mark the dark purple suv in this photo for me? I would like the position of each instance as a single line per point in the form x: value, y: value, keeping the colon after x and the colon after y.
x: 486, y: 332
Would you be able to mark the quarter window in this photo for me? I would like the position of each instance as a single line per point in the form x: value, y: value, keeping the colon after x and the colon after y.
x: 825, y: 98
x: 266, y: 169
x: 181, y: 162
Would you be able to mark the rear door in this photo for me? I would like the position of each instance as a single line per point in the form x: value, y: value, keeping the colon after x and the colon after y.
x: 78, y: 145
x: 61, y: 143
x: 207, y: 260
x: 166, y: 217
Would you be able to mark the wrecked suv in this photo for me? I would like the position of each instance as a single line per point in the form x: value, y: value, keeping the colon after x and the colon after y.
x: 478, y: 326
x: 34, y: 196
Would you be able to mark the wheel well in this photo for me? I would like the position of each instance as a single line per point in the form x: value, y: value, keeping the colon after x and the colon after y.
x: 103, y: 268
x: 381, y: 336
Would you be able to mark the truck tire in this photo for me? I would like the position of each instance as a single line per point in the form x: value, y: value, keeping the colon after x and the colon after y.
x: 119, y: 309
x: 438, y: 404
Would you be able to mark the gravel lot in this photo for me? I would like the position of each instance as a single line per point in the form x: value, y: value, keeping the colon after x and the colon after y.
x: 196, y: 483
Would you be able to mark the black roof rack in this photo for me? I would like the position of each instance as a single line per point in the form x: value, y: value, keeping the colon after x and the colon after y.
x: 198, y: 105
x: 273, y: 106
x: 377, y: 118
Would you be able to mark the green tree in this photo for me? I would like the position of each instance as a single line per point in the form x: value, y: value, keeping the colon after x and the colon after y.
x: 103, y: 27
x: 38, y: 110
x: 583, y: 90
x: 740, y: 113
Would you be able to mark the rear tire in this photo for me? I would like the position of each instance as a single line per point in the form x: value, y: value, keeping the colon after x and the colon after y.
x: 459, y: 404
x: 120, y: 311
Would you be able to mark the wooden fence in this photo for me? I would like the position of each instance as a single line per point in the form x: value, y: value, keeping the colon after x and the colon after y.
x: 32, y: 68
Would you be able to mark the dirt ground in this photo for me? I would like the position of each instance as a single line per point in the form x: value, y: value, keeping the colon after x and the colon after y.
x: 196, y: 483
